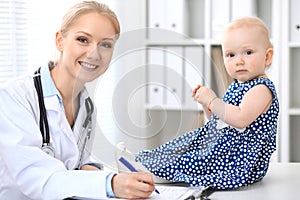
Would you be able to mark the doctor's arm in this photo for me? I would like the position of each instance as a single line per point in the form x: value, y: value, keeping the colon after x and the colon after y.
x: 89, y: 167
x: 133, y: 185
x: 123, y: 185
x: 36, y: 174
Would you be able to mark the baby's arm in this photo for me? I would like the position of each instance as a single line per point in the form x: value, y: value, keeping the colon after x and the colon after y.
x: 255, y: 102
x: 208, y: 93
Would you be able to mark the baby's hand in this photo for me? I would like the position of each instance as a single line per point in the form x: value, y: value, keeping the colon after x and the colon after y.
x: 195, y: 91
x: 203, y: 94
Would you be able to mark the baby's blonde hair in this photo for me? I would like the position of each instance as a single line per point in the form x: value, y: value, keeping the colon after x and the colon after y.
x: 251, y: 22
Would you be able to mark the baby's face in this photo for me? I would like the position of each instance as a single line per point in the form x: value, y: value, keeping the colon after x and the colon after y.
x: 244, y: 52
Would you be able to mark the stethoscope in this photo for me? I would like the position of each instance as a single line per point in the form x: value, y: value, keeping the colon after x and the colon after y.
x: 44, y: 126
x: 86, y: 128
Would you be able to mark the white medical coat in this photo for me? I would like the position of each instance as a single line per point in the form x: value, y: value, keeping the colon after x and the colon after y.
x: 26, y: 171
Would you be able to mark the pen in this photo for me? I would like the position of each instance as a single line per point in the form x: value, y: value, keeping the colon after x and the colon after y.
x: 131, y: 168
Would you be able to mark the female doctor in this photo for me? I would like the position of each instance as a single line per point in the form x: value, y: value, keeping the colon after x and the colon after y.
x: 47, y: 120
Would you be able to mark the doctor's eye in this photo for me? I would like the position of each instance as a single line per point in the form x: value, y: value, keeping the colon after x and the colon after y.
x: 107, y: 44
x: 82, y: 40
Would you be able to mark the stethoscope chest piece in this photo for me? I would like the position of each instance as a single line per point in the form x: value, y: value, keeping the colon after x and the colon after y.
x: 48, y: 149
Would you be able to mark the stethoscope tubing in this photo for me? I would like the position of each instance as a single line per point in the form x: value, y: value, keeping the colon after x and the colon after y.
x: 44, y: 126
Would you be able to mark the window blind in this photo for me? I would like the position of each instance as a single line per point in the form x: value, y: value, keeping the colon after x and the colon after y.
x: 13, y: 38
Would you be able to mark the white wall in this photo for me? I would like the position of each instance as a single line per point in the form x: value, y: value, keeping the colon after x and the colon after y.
x: 119, y: 93
x: 44, y: 21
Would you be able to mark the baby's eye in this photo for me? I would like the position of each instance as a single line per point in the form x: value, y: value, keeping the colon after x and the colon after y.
x: 82, y: 40
x: 249, y: 52
x: 230, y: 55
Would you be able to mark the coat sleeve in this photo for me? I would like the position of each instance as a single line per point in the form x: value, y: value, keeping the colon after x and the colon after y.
x: 34, y: 173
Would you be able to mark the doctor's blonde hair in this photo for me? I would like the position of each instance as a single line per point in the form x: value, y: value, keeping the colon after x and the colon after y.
x: 87, y: 7
x: 80, y: 9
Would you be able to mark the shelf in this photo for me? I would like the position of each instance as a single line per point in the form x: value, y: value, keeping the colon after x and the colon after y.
x: 165, y: 107
x: 294, y: 138
x: 176, y: 42
x: 289, y: 70
x: 294, y: 111
x: 294, y: 44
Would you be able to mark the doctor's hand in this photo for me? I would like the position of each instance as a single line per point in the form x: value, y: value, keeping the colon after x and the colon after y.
x: 133, y: 185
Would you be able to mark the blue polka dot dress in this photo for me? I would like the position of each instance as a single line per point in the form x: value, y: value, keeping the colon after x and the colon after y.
x: 217, y: 154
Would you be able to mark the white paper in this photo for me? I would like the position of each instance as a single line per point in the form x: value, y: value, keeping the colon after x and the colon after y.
x: 167, y: 192
x: 175, y: 192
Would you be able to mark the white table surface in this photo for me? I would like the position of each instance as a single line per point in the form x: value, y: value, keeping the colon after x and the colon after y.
x: 282, y: 182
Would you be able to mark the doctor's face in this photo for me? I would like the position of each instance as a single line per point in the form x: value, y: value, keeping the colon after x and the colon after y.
x: 87, y: 47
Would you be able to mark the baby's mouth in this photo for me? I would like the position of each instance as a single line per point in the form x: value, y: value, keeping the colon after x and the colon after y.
x: 241, y: 70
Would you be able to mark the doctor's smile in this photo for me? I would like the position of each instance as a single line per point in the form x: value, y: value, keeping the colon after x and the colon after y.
x: 87, y: 66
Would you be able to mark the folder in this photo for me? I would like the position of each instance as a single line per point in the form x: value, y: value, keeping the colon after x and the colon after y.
x: 295, y: 21
x: 155, y: 75
x: 242, y: 8
x: 176, y: 16
x: 220, y: 17
x: 174, y: 76
x: 196, y: 22
x: 194, y: 74
x: 165, y: 16
x: 156, y: 18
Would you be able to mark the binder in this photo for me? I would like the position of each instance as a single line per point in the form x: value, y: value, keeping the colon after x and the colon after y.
x: 220, y: 17
x: 156, y: 18
x: 196, y: 22
x: 243, y: 8
x: 174, y: 76
x: 294, y: 21
x: 165, y: 16
x: 155, y: 76
x: 194, y: 74
x: 176, y: 16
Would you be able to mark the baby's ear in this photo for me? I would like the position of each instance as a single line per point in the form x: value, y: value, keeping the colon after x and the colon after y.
x: 269, y: 56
